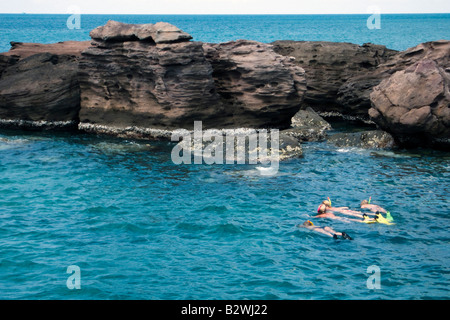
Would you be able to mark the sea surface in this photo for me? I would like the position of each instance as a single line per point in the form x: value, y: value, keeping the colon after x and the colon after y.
x: 140, y: 227
x: 397, y: 31
x: 137, y: 226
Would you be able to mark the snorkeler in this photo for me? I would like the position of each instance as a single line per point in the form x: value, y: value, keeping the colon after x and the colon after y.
x: 324, y: 212
x: 372, y: 207
x: 325, y: 230
x: 343, y: 210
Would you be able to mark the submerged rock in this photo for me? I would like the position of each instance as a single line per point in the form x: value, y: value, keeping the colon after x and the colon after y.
x: 374, y: 139
x: 241, y: 145
x: 307, y: 125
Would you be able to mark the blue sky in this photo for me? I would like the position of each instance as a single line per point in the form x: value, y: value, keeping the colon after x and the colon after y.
x: 224, y: 6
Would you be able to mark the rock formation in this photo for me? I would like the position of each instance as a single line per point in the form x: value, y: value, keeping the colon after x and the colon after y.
x: 140, y: 76
x: 328, y: 66
x: 144, y: 80
x: 414, y: 104
x: 357, y: 89
x: 39, y: 85
x: 307, y: 125
x: 373, y: 139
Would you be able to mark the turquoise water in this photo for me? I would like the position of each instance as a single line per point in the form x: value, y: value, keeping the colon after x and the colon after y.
x: 140, y: 227
x: 398, y: 31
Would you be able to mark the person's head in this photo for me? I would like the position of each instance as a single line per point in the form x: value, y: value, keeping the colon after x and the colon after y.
x: 364, y: 202
x: 326, y: 203
x: 322, y: 209
x: 308, y: 224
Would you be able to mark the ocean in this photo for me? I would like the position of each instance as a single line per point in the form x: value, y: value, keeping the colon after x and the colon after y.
x: 92, y: 217
x: 397, y: 31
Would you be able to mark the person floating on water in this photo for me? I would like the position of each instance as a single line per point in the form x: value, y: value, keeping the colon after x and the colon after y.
x: 376, y: 208
x: 365, y: 204
x: 325, y: 230
x: 343, y: 210
x: 324, y: 212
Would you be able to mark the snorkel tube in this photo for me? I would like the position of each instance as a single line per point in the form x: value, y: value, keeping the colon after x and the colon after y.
x: 329, y: 201
x: 370, y: 199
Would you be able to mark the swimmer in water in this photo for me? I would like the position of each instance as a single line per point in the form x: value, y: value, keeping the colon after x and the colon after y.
x: 343, y: 210
x: 324, y: 212
x: 372, y: 207
x: 325, y: 230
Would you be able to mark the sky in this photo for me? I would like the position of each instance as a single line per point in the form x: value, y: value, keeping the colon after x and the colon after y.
x: 224, y: 6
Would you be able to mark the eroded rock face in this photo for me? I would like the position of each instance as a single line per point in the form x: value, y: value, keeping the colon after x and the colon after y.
x: 136, y: 83
x: 39, y: 85
x: 355, y: 92
x: 161, y: 32
x: 328, y: 67
x: 414, y: 104
x: 251, y: 79
x: 170, y: 82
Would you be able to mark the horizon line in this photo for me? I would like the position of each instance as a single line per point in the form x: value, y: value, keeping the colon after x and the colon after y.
x: 224, y: 14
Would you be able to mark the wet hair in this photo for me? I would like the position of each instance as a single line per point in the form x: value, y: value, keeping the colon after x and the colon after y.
x: 307, y: 223
x: 326, y: 203
x: 364, y: 202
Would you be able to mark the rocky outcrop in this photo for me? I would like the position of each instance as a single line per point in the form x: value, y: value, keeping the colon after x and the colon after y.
x: 373, y: 139
x: 22, y: 50
x: 143, y: 77
x: 328, y: 67
x: 145, y: 80
x: 40, y: 88
x: 161, y: 32
x: 404, y: 93
x: 414, y: 104
x: 39, y: 85
x: 307, y: 125
x: 355, y: 92
x: 140, y: 84
x: 258, y: 87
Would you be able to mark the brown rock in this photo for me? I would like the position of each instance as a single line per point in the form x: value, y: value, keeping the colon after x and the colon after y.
x: 355, y: 92
x: 42, y: 87
x: 413, y: 104
x: 39, y: 85
x: 146, y: 84
x: 328, y: 66
x: 161, y: 32
x: 22, y: 50
x: 253, y: 80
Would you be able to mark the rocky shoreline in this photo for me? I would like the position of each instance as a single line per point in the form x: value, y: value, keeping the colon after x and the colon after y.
x: 144, y: 81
